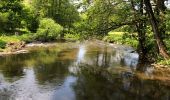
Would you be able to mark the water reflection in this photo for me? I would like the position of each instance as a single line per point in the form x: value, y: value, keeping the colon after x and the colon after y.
x: 89, y: 86
x: 76, y: 73
x: 12, y: 71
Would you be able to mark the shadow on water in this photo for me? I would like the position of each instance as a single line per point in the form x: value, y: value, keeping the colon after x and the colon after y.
x: 69, y: 71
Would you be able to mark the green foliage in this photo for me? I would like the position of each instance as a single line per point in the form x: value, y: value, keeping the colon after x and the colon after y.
x: 10, y: 38
x: 27, y: 37
x: 168, y: 21
x: 15, y: 16
x: 164, y: 62
x: 121, y: 38
x: 113, y: 38
x: 11, y: 15
x: 72, y: 37
x: 30, y: 18
x: 48, y: 30
x: 16, y: 39
x: 105, y: 14
x: 2, y: 44
x: 167, y: 41
x: 62, y: 11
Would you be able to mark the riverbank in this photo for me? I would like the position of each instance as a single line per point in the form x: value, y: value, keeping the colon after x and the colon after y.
x: 158, y: 73
x: 22, y: 47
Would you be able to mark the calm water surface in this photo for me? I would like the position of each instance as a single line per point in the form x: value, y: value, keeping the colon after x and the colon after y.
x: 72, y: 71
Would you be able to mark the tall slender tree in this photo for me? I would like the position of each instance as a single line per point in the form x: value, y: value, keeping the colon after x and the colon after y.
x: 157, y: 25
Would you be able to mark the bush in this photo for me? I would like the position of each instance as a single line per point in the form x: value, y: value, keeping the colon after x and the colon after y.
x: 113, y: 38
x: 2, y: 44
x: 27, y: 38
x: 121, y: 38
x: 48, y: 30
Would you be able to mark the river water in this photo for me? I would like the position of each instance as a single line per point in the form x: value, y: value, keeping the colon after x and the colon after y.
x: 76, y: 71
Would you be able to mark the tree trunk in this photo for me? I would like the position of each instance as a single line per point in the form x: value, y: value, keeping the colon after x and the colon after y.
x: 157, y: 33
x: 141, y: 30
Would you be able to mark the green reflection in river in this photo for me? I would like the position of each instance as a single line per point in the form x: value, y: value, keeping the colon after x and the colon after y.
x: 75, y: 72
x: 47, y: 63
x: 96, y: 86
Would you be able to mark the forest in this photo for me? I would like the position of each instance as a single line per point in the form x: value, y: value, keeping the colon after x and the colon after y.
x: 84, y: 49
x: 142, y: 24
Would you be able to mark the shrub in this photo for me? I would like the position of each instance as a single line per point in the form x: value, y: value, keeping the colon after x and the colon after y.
x: 2, y: 44
x: 113, y: 38
x: 27, y: 38
x: 121, y: 38
x: 48, y: 30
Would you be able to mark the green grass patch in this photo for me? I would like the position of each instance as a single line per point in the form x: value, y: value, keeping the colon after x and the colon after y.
x: 114, y: 37
x: 27, y: 37
x: 116, y: 33
x: 121, y: 38
x: 72, y: 37
x: 10, y: 38
x: 164, y: 62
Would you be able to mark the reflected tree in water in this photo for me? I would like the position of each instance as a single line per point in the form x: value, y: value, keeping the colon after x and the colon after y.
x: 92, y: 86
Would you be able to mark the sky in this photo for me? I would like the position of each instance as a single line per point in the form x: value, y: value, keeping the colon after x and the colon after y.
x: 168, y: 3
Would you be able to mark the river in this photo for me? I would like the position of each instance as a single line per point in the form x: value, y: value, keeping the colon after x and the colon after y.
x: 77, y: 71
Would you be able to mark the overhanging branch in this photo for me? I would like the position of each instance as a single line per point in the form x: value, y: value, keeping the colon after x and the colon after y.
x: 115, y: 25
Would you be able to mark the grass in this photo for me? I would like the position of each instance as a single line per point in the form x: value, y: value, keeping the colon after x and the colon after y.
x: 121, y: 38
x: 27, y: 38
x: 164, y: 62
x: 116, y: 33
x: 72, y: 37
x: 10, y: 38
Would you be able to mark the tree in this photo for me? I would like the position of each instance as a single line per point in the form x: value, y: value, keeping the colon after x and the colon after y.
x: 15, y: 15
x: 62, y: 11
x: 141, y: 30
x: 11, y: 15
x: 157, y: 25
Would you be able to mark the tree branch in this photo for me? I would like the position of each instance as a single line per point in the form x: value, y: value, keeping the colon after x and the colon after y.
x: 115, y: 25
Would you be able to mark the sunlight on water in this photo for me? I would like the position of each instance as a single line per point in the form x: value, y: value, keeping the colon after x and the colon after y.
x: 81, y: 53
x: 76, y: 72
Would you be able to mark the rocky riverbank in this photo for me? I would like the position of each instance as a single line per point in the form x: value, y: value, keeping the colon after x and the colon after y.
x: 22, y: 47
